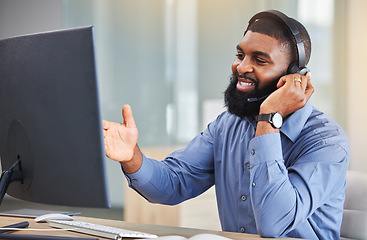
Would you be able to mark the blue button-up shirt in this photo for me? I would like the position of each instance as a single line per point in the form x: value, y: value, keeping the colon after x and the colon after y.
x: 288, y: 184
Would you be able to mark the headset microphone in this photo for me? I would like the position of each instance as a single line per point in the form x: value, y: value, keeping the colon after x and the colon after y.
x: 257, y: 99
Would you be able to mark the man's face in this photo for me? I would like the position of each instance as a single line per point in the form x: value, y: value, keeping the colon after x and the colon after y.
x: 260, y: 61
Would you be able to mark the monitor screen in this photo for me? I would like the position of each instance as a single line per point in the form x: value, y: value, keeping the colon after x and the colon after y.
x: 50, y: 121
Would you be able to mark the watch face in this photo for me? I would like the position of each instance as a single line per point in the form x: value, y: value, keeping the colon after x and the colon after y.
x: 277, y: 120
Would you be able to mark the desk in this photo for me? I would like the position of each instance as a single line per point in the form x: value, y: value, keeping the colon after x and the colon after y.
x: 148, y: 228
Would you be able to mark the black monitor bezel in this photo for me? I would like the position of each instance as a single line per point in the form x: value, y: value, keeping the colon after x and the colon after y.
x: 50, y: 118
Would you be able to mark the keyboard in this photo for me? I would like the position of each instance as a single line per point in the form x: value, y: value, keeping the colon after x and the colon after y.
x: 98, y: 230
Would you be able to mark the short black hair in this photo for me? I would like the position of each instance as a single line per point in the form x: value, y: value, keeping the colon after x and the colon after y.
x: 280, y: 31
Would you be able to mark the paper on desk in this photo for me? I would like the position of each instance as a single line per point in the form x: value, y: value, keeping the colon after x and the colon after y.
x: 203, y: 236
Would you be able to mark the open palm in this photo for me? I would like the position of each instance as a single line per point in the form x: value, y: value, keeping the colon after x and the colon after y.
x: 121, y: 138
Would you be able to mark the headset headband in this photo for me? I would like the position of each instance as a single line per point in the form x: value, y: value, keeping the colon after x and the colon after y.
x: 279, y: 16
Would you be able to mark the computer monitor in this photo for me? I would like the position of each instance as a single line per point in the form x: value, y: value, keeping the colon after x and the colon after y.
x: 50, y: 122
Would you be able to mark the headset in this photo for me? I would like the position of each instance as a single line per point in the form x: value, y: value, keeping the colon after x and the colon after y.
x: 295, y: 67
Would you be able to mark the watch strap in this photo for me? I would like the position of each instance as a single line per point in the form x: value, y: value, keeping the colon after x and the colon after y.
x: 265, y: 117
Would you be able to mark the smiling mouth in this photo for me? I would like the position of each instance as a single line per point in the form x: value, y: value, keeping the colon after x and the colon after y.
x: 245, y: 85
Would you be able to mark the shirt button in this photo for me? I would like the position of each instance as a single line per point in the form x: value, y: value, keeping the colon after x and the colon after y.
x: 248, y: 165
x: 242, y: 229
x: 243, y: 197
x: 253, y: 184
x: 252, y: 152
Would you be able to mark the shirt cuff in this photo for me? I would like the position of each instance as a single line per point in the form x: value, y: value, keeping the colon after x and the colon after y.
x: 265, y: 148
x: 143, y: 175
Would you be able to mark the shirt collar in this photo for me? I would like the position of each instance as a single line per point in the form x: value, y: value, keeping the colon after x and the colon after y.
x: 294, y: 124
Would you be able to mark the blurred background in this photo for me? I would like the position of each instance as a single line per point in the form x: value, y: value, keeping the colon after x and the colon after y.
x: 171, y: 61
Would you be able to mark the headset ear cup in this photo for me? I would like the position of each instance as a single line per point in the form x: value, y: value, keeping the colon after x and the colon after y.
x: 293, y: 68
x: 303, y: 71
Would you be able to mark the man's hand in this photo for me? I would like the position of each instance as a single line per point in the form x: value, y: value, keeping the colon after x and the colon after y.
x: 121, y: 138
x: 294, y: 90
x: 293, y: 93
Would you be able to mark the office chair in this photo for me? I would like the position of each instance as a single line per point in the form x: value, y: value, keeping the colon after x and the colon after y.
x: 354, y: 224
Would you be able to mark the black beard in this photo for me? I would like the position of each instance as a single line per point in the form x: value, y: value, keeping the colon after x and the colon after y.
x: 236, y: 101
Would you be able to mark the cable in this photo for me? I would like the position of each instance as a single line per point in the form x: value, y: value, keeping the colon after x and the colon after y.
x: 34, y: 229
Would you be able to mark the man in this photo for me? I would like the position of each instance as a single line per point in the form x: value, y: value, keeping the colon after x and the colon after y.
x: 277, y: 180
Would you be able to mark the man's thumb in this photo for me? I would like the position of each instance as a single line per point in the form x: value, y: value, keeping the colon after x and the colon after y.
x: 127, y: 115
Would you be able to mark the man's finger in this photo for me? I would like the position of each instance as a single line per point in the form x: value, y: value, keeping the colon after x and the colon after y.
x: 127, y: 115
x: 281, y: 81
x: 309, y: 88
x: 304, y: 83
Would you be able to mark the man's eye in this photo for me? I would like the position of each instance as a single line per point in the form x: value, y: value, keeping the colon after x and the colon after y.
x: 260, y: 60
x: 239, y: 55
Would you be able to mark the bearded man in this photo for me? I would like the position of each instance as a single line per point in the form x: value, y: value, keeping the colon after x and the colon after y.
x: 278, y: 164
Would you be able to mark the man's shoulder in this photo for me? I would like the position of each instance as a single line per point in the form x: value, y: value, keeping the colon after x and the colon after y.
x: 320, y: 120
x: 325, y: 128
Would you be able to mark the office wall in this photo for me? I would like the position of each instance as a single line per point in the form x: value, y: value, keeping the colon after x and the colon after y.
x: 21, y: 16
x: 356, y: 79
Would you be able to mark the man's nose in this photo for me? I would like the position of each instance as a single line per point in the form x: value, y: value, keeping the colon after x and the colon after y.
x: 245, y: 66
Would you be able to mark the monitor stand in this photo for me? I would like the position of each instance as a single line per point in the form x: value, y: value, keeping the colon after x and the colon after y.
x: 9, y: 176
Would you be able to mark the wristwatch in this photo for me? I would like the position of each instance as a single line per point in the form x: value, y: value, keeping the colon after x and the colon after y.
x: 275, y: 119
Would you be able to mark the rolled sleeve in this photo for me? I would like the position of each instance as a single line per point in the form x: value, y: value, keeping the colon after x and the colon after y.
x: 271, y: 142
x: 142, y: 176
x: 144, y: 183
x: 269, y: 185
